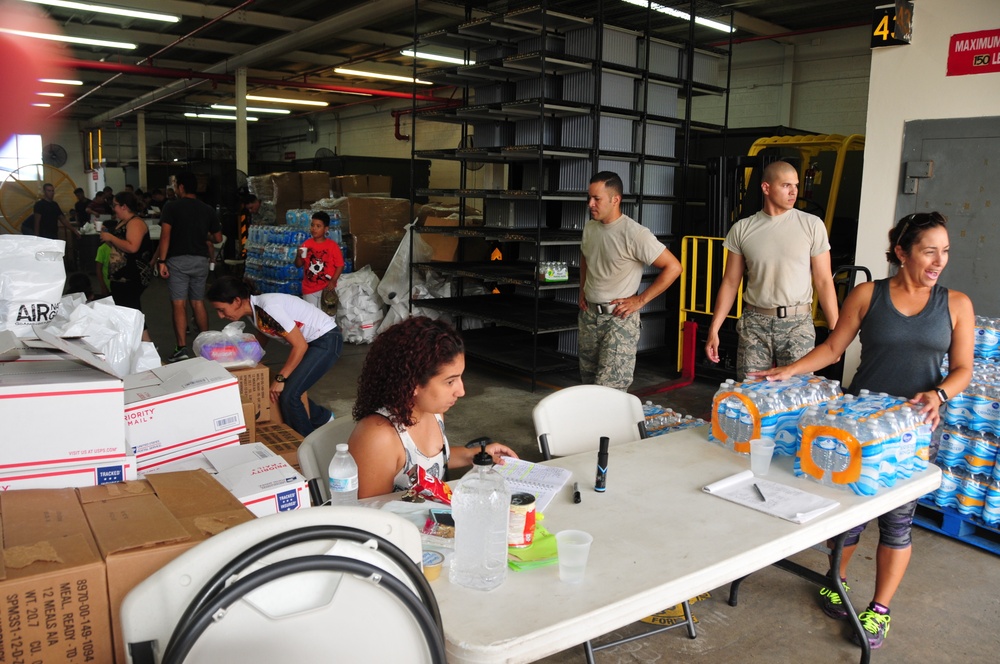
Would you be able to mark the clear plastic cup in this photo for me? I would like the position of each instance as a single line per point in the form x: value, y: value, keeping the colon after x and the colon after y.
x: 573, y: 547
x: 761, y: 450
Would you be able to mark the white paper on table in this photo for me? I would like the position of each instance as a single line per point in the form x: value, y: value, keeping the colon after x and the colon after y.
x: 543, y: 482
x: 781, y: 500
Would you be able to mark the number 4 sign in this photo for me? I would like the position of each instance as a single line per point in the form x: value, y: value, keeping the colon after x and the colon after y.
x: 892, y: 25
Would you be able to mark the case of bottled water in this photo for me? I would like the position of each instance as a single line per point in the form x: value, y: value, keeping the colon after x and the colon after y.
x: 271, y: 254
x: 761, y: 408
x: 660, y: 420
x: 862, y: 443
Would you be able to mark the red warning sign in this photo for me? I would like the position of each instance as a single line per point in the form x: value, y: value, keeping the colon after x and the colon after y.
x: 974, y: 53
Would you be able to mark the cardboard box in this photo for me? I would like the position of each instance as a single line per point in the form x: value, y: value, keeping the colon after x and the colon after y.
x: 178, y: 406
x: 360, y: 185
x: 445, y: 246
x: 53, y: 581
x: 375, y: 251
x: 249, y: 416
x: 283, y: 441
x: 376, y: 216
x: 59, y: 412
x: 141, y: 526
x: 70, y: 476
x: 259, y: 478
x: 164, y: 462
x: 254, y: 387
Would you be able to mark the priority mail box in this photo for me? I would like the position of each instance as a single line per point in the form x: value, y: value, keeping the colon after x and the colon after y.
x: 179, y: 406
x: 70, y: 476
x: 259, y: 478
x: 52, y: 580
x: 168, y: 461
x: 59, y: 412
x: 141, y: 526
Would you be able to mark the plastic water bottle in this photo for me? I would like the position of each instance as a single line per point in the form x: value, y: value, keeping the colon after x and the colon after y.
x: 824, y: 449
x: 343, y: 477
x: 481, y: 508
x: 746, y: 423
x: 731, y: 426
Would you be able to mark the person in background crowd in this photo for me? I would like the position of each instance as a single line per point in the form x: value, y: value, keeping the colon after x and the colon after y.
x: 783, y: 252
x: 46, y: 217
x: 411, y: 376
x: 101, y: 205
x: 907, y: 323
x: 613, y: 254
x: 130, y: 255
x: 78, y: 282
x: 314, y: 338
x: 171, y: 195
x: 80, y: 207
x: 322, y: 260
x: 102, y: 261
x: 186, y: 227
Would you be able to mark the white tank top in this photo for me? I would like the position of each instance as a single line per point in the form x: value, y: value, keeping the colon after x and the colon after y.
x: 432, y: 465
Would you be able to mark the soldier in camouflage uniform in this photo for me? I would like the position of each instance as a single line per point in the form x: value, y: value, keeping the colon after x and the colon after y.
x: 783, y: 252
x: 614, y: 251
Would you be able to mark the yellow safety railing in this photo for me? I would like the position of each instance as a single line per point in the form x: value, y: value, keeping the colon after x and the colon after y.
x: 700, y: 281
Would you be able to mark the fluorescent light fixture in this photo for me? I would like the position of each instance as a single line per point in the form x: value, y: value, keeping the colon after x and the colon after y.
x: 50, y: 94
x: 39, y: 105
x: 282, y: 100
x: 104, y: 9
x: 68, y: 39
x: 213, y: 116
x: 372, y: 74
x: 226, y: 107
x: 60, y: 81
x: 684, y: 16
x: 439, y: 58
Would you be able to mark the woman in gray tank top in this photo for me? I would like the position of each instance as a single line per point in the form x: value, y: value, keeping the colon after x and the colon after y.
x: 907, y: 323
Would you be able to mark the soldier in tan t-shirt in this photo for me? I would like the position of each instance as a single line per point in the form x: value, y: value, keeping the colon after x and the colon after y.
x: 614, y: 251
x: 783, y: 252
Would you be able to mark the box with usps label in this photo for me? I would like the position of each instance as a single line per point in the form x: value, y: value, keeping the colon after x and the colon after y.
x: 172, y: 410
x: 60, y: 412
x: 263, y: 481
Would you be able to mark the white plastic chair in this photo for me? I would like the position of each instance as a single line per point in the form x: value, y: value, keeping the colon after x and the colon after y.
x: 573, y: 420
x: 296, y: 586
x: 318, y: 449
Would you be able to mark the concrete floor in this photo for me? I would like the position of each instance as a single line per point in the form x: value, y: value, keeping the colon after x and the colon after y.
x: 946, y: 611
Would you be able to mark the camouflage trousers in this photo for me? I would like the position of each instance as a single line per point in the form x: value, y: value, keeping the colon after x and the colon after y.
x: 769, y: 341
x: 606, y: 348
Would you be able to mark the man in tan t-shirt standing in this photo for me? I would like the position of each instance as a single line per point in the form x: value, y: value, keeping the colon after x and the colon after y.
x: 614, y: 251
x: 784, y: 252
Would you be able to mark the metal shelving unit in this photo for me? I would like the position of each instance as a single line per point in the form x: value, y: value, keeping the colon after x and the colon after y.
x: 553, y: 98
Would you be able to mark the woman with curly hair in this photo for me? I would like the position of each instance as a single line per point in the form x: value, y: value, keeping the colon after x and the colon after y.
x: 411, y: 376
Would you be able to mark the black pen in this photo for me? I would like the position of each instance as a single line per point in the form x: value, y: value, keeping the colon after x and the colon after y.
x: 759, y: 492
x: 576, y: 492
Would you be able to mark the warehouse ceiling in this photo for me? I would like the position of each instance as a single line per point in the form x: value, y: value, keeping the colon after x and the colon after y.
x: 291, y: 48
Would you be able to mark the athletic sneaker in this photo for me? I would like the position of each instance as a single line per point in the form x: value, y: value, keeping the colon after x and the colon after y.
x: 180, y: 353
x: 876, y: 626
x: 832, y: 604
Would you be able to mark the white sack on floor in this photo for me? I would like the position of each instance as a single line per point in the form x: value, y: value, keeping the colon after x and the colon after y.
x: 361, y: 309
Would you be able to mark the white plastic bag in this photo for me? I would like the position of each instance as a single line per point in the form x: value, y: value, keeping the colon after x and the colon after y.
x: 361, y: 309
x: 232, y: 347
x: 31, y: 281
x: 114, y: 331
x: 396, y: 283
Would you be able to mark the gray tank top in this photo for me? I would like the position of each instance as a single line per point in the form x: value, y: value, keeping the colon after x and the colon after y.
x: 902, y: 355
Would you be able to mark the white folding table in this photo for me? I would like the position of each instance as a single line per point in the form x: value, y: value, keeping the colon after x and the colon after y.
x: 658, y: 540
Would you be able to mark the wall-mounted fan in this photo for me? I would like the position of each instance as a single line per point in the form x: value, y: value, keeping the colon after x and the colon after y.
x: 322, y: 153
x: 54, y: 155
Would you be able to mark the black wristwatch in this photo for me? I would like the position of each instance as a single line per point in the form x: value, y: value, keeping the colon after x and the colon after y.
x: 942, y: 395
x: 279, y: 379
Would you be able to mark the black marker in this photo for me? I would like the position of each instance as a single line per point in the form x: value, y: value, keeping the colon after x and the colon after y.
x: 759, y: 492
x: 600, y: 484
x: 576, y: 492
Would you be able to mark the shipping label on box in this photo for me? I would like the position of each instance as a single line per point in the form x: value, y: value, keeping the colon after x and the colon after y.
x: 174, y: 459
x: 52, y: 580
x: 260, y: 479
x: 141, y: 526
x: 255, y: 385
x: 59, y: 412
x: 180, y: 405
x: 70, y: 476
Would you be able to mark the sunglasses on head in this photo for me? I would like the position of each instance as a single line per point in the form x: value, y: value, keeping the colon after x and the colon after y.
x: 919, y: 220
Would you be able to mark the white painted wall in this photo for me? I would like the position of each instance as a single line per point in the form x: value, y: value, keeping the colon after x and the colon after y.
x: 909, y: 83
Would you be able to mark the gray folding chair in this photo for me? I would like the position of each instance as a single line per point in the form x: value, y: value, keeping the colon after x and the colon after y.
x: 573, y: 420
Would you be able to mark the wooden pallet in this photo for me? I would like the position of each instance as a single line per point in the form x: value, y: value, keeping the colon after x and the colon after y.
x: 949, y: 521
